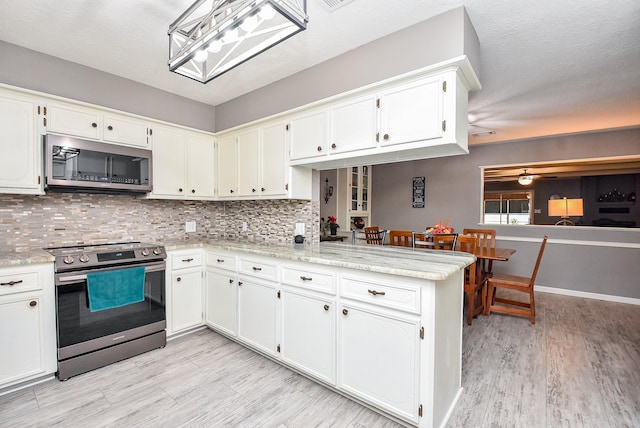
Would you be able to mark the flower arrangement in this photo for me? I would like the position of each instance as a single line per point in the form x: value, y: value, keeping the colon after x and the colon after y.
x: 440, y: 228
x: 329, y: 225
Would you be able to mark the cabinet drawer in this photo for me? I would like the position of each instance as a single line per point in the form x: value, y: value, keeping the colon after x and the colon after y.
x: 185, y: 260
x: 382, y: 293
x: 309, y: 279
x: 18, y: 282
x: 258, y: 268
x: 221, y: 261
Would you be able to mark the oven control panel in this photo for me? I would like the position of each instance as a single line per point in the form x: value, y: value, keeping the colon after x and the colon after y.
x: 73, y: 258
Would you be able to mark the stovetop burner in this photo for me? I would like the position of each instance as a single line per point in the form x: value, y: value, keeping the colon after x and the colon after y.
x: 93, y: 256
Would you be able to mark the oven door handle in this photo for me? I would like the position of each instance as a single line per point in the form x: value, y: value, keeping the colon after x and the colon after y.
x: 83, y: 277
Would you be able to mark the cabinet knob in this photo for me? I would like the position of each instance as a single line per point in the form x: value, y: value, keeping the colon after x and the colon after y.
x: 262, y: 189
x: 110, y: 128
x: 178, y: 279
x: 180, y: 189
x: 319, y: 148
x: 94, y: 125
x: 345, y: 312
x: 193, y: 190
x: 386, y: 137
x: 253, y: 190
x: 231, y: 191
x: 326, y: 307
x: 333, y: 146
x: 231, y: 281
x: 33, y: 303
x: 239, y: 282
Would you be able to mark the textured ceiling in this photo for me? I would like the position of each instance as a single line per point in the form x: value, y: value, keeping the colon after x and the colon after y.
x: 548, y: 67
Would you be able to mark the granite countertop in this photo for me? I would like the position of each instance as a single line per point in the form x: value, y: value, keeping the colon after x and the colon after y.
x: 424, y: 264
x: 420, y: 263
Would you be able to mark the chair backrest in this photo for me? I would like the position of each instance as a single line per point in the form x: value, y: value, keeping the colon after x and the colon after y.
x: 485, y: 237
x: 535, y: 269
x: 374, y: 235
x: 467, y: 244
x: 444, y: 241
x: 401, y: 238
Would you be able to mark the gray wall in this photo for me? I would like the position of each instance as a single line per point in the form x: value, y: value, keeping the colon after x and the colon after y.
x: 597, y: 260
x: 440, y: 38
x: 29, y: 69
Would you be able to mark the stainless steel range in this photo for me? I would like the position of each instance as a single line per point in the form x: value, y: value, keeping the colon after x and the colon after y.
x: 110, y: 303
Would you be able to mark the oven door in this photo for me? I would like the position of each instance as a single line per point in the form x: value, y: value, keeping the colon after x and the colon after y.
x: 81, y: 331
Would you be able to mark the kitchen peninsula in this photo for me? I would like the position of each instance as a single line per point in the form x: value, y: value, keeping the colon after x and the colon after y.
x: 380, y: 325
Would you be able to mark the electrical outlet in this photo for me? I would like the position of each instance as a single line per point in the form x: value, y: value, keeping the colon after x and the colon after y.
x: 190, y: 226
x: 244, y: 226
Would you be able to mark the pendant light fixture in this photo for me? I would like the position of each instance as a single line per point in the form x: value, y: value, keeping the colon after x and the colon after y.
x: 525, y: 179
x: 213, y: 36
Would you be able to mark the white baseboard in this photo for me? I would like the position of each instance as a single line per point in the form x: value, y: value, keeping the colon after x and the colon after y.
x: 587, y: 295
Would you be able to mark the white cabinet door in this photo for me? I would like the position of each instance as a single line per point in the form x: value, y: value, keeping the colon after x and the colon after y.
x: 227, y: 166
x: 308, y: 135
x: 19, y: 144
x: 169, y: 163
x: 309, y: 334
x: 379, y: 360
x: 249, y: 163
x: 125, y: 130
x: 186, y: 299
x: 21, y: 336
x: 73, y: 120
x: 221, y: 292
x: 411, y: 112
x: 353, y: 124
x: 274, y: 160
x: 257, y: 314
x: 200, y: 170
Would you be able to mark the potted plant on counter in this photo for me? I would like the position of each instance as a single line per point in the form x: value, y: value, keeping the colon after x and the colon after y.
x: 333, y: 226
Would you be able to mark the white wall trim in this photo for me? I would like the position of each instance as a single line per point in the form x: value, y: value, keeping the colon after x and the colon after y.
x: 587, y: 295
x: 572, y: 242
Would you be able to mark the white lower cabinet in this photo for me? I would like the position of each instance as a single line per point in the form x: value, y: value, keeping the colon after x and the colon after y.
x: 27, y: 324
x: 379, y: 359
x: 258, y: 314
x: 221, y: 300
x: 185, y: 308
x: 308, y: 339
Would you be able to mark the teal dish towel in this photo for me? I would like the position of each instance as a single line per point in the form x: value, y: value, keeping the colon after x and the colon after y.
x: 115, y: 288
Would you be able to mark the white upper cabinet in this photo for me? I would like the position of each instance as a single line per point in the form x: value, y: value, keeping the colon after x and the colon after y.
x: 81, y: 121
x: 252, y: 164
x: 21, y: 160
x: 249, y: 162
x: 412, y: 112
x: 183, y: 164
x: 411, y: 117
x: 227, y: 166
x: 308, y: 134
x: 353, y: 124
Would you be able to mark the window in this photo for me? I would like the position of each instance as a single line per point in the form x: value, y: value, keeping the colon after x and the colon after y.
x: 508, y: 208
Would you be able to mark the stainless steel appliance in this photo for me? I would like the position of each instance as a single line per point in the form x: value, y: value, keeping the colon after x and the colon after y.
x: 84, y: 165
x: 88, y: 338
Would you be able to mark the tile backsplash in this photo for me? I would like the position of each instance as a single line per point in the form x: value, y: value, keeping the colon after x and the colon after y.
x: 56, y: 219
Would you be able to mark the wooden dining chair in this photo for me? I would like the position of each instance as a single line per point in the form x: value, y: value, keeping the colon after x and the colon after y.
x: 474, y: 281
x: 374, y: 235
x: 517, y: 283
x: 444, y: 241
x: 401, y: 238
x: 485, y: 238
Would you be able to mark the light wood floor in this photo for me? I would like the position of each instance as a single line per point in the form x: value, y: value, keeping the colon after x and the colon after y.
x: 578, y: 366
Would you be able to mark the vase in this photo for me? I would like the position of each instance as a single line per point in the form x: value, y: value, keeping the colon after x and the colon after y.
x: 334, y: 229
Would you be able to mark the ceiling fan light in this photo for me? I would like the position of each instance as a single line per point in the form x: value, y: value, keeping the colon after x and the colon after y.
x: 525, y: 179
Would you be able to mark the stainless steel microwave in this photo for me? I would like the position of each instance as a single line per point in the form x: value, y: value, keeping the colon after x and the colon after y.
x: 74, y: 164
